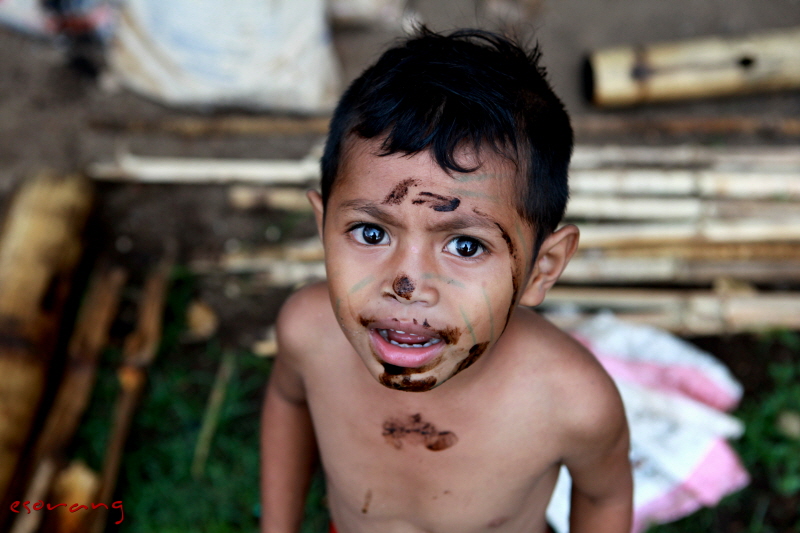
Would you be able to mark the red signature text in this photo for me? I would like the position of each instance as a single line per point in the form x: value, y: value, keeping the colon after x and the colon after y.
x: 75, y: 507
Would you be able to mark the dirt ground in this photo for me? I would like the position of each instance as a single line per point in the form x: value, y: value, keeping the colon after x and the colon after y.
x: 49, y: 116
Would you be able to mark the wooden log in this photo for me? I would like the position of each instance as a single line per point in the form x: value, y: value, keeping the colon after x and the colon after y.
x: 89, y: 338
x: 139, y: 351
x: 682, y: 311
x: 196, y: 127
x: 40, y: 246
x: 199, y: 170
x: 697, y: 68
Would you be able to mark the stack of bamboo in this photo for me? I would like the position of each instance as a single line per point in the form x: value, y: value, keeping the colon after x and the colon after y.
x: 708, y: 223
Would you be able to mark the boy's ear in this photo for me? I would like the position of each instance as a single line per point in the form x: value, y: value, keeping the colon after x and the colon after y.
x: 554, y: 254
x: 319, y: 211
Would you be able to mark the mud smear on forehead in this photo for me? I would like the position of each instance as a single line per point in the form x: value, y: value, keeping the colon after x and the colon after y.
x: 414, y: 430
x: 403, y: 287
x: 398, y: 194
x: 437, y: 202
x: 474, y: 353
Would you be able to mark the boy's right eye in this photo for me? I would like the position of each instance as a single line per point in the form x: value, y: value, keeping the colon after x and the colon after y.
x: 369, y: 234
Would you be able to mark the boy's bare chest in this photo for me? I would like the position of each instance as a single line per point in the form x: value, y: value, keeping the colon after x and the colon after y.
x: 392, y: 456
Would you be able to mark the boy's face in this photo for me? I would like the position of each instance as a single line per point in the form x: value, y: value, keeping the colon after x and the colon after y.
x: 424, y: 268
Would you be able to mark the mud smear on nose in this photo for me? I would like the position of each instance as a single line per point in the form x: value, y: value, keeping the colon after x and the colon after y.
x: 403, y: 287
x: 437, y: 202
x: 405, y: 383
x: 414, y: 430
x: 398, y: 194
x: 474, y: 353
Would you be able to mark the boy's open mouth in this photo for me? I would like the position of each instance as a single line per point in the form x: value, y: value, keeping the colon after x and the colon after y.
x: 403, y: 348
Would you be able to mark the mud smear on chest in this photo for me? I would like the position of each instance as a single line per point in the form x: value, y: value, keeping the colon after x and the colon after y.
x: 400, y: 191
x: 413, y: 430
x: 367, y: 501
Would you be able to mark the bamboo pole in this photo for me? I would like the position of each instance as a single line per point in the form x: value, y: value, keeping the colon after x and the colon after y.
x: 688, y: 125
x: 89, y: 338
x: 139, y: 351
x: 212, y: 414
x: 196, y: 127
x: 285, y: 198
x: 39, y: 248
x: 728, y: 231
x: 708, y: 251
x: 772, y: 158
x: 198, y: 170
x: 593, y: 270
x: 681, y: 182
x: 682, y: 311
x: 666, y: 208
x: 696, y: 68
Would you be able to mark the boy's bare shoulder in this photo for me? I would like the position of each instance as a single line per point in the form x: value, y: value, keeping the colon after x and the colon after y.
x: 584, y: 399
x: 305, y: 320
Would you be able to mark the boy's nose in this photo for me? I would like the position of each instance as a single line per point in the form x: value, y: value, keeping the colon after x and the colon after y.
x: 407, y: 281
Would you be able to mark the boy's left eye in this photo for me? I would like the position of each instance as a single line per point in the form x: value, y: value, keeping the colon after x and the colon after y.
x: 465, y: 247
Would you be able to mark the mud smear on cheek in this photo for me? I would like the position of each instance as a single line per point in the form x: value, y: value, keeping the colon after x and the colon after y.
x: 437, y: 202
x: 474, y: 353
x: 414, y: 430
x: 398, y: 194
x: 403, y: 287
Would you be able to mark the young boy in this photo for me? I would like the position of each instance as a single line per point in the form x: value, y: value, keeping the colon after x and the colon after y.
x: 437, y: 403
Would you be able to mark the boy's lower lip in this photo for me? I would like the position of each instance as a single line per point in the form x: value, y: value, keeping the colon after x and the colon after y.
x: 403, y: 357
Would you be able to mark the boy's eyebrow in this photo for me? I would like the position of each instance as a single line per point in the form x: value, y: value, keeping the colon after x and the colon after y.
x: 374, y: 210
x: 451, y: 221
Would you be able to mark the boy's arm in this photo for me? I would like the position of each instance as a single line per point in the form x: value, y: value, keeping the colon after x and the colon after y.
x: 288, y: 447
x: 602, y: 485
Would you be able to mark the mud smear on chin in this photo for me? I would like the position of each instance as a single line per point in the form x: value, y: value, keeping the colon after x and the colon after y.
x: 398, y: 194
x: 474, y: 353
x: 414, y: 430
x: 405, y: 383
x: 403, y: 287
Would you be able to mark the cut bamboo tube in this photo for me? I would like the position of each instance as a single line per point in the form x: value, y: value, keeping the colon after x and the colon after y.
x: 89, y: 338
x: 195, y: 127
x: 39, y: 248
x: 76, y: 484
x: 684, y: 312
x: 695, y: 68
x: 139, y: 351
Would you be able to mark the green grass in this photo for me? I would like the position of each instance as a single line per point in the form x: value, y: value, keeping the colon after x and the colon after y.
x: 155, y: 484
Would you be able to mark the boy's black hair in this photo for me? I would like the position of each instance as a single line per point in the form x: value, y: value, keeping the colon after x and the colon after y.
x: 469, y: 88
